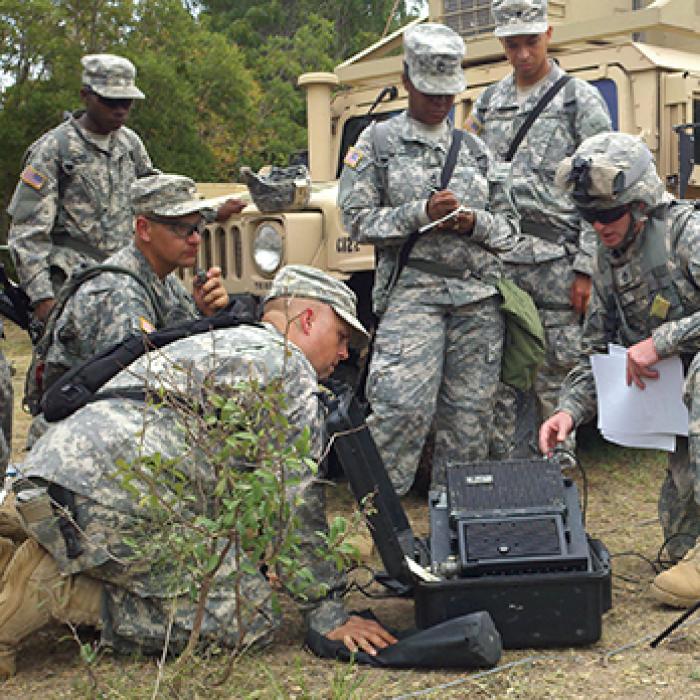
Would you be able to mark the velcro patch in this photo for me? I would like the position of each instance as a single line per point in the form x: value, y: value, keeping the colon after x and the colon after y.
x: 660, y: 307
x: 353, y: 157
x: 33, y: 178
x: 146, y: 325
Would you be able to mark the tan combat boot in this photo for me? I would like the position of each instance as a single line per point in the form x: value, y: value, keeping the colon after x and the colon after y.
x: 10, y: 520
x: 33, y: 592
x: 7, y: 551
x: 679, y: 586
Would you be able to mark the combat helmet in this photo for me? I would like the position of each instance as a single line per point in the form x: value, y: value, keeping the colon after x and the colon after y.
x: 278, y: 189
x: 611, y: 170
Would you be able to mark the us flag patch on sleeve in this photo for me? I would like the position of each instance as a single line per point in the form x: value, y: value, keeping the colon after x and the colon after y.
x: 473, y: 125
x: 33, y: 178
x: 353, y: 157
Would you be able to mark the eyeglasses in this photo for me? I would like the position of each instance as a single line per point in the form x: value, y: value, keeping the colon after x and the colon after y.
x: 603, y: 216
x: 113, y: 102
x: 180, y: 229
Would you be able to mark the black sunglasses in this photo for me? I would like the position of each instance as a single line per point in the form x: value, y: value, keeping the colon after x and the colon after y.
x: 113, y: 102
x: 603, y: 216
x: 180, y: 229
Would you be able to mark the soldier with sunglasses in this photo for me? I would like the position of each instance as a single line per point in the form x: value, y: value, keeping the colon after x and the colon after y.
x: 71, y: 204
x: 646, y: 296
x: 139, y: 292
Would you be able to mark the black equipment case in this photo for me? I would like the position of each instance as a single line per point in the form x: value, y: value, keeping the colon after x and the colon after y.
x: 506, y: 537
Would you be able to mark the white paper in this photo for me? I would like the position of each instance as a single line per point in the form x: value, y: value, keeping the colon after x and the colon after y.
x: 649, y: 417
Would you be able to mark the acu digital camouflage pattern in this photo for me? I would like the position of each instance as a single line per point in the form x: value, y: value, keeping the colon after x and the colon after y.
x: 110, y: 76
x: 167, y: 194
x: 621, y: 311
x: 433, y: 55
x: 437, y: 352
x: 280, y: 188
x: 111, y: 306
x: 72, y: 203
x: 80, y: 452
x: 556, y: 243
x: 517, y: 17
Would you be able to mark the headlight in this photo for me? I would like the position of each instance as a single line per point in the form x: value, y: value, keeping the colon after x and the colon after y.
x: 268, y: 247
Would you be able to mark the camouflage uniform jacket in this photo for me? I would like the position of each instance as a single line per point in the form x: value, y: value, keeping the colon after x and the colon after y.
x: 109, y: 307
x: 74, y: 189
x: 622, y: 308
x: 386, y: 219
x: 80, y: 453
x: 576, y: 112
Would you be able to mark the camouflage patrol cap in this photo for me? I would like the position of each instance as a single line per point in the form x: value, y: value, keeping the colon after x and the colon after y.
x: 305, y: 282
x: 609, y: 170
x: 516, y: 17
x: 433, y: 55
x: 110, y: 76
x: 168, y: 195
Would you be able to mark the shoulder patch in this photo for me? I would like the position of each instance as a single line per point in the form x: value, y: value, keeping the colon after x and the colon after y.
x: 473, y: 124
x: 33, y: 178
x: 146, y: 325
x: 353, y: 157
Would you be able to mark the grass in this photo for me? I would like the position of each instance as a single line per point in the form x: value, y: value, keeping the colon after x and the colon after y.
x: 623, y: 488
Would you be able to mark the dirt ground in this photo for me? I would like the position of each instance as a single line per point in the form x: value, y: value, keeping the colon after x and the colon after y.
x: 622, y: 490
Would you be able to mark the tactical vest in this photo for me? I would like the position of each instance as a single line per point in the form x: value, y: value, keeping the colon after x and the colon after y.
x: 650, y: 289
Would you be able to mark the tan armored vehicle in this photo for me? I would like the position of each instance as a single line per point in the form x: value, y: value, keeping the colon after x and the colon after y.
x: 644, y: 57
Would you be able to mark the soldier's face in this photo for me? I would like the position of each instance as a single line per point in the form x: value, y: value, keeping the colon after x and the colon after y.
x: 527, y: 53
x: 428, y: 109
x: 329, y: 336
x: 613, y: 234
x: 104, y: 115
x: 165, y: 244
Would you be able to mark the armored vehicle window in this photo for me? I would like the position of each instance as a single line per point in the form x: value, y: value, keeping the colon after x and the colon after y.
x: 608, y: 90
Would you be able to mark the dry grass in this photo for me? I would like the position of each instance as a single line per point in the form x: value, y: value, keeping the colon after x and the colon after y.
x: 623, y: 487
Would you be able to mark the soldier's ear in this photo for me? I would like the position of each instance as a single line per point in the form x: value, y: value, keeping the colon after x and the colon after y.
x: 142, y: 227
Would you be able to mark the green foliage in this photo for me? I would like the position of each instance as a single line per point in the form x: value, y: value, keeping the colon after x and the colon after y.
x: 220, y: 82
x: 224, y: 508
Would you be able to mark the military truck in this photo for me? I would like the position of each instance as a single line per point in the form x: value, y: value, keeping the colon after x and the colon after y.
x: 644, y: 57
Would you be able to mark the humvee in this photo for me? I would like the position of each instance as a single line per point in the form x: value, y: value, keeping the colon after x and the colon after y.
x: 644, y: 57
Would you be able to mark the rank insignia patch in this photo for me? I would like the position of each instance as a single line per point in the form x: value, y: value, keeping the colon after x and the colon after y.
x: 660, y: 307
x: 353, y: 157
x: 33, y: 178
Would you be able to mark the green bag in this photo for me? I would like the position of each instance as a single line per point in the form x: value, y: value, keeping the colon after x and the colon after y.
x: 524, y: 345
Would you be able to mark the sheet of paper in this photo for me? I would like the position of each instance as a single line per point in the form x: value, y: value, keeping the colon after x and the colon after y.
x: 635, y: 417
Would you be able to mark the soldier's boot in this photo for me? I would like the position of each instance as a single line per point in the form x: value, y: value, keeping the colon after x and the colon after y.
x: 33, y: 593
x: 679, y: 586
x: 10, y: 521
x: 7, y: 551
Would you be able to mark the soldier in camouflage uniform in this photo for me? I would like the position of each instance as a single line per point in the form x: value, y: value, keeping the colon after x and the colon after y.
x: 553, y: 259
x: 113, y: 305
x: 645, y: 297
x: 437, y: 351
x: 308, y: 321
x: 71, y: 204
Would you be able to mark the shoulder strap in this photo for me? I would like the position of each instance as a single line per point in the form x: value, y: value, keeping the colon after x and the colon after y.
x: 380, y: 146
x: 485, y: 100
x: 539, y: 107
x: 445, y: 177
x: 79, y: 385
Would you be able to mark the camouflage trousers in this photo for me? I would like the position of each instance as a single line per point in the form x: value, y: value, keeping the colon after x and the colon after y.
x: 679, y: 500
x: 434, y: 364
x: 549, y: 284
x: 6, y: 405
x: 141, y: 602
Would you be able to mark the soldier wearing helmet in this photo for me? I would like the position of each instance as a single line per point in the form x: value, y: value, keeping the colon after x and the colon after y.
x: 646, y: 297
